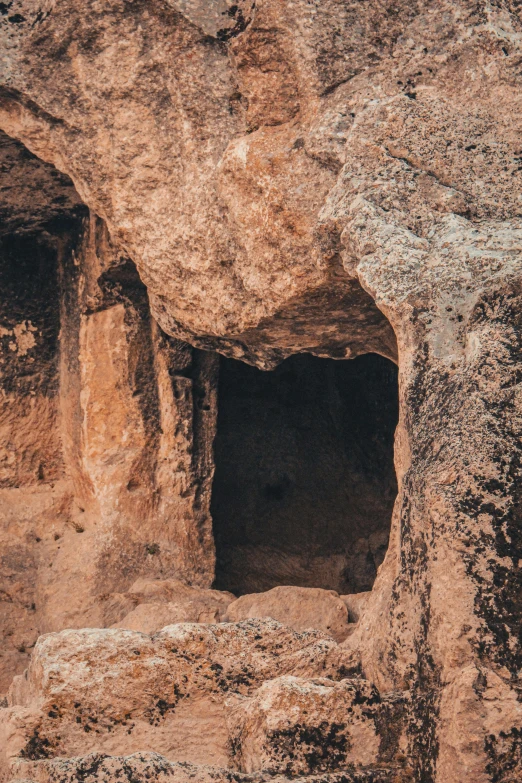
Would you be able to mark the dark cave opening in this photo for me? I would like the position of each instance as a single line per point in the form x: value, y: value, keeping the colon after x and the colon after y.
x: 305, y: 484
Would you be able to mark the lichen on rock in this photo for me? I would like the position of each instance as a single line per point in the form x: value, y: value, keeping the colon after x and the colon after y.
x: 186, y: 178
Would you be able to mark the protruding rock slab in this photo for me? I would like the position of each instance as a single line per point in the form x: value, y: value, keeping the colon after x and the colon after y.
x: 148, y: 767
x: 295, y: 726
x: 300, y: 608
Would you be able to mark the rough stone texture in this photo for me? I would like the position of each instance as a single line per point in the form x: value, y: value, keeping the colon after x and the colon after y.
x: 142, y: 767
x: 114, y: 690
x: 36, y: 197
x: 330, y: 177
x: 106, y: 423
x: 297, y: 727
x: 223, y: 226
x: 300, y: 608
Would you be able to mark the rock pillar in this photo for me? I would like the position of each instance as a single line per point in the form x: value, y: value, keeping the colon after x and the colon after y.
x: 444, y: 618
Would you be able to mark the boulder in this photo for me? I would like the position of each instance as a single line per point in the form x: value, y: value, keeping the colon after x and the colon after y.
x: 300, y: 608
x: 166, y: 602
x: 297, y: 726
x: 116, y: 691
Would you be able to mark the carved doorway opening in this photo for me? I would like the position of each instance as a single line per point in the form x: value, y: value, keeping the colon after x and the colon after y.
x: 305, y: 484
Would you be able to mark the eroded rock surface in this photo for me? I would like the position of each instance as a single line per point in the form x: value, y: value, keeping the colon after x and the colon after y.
x: 114, y: 690
x: 142, y: 767
x: 298, y: 727
x: 106, y: 423
x: 300, y: 608
x: 308, y: 176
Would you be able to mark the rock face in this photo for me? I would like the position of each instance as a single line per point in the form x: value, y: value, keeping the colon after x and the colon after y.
x: 106, y: 423
x: 300, y: 727
x: 185, y: 177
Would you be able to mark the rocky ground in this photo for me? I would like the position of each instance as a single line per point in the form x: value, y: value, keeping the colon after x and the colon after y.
x: 203, y: 699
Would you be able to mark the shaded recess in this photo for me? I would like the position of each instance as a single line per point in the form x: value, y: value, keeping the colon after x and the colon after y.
x: 305, y: 483
x: 40, y: 219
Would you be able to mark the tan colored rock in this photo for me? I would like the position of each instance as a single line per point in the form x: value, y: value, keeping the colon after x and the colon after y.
x: 312, y: 176
x: 300, y: 608
x: 138, y: 768
x: 144, y: 767
x: 295, y: 727
x: 166, y: 602
x: 356, y: 604
x: 114, y: 690
x: 105, y: 456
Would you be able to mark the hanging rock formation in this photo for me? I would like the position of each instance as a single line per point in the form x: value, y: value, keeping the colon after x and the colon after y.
x: 305, y: 176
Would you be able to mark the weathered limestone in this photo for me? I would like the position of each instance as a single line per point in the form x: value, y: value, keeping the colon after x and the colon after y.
x: 457, y: 557
x: 150, y: 605
x: 300, y: 727
x: 133, y: 435
x: 113, y: 690
x: 300, y: 608
x: 106, y: 424
x: 311, y: 176
x: 255, y: 274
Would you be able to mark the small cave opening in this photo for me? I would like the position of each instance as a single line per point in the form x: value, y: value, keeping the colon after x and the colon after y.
x: 304, y: 482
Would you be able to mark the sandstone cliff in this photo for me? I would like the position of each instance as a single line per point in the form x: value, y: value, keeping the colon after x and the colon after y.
x: 183, y: 179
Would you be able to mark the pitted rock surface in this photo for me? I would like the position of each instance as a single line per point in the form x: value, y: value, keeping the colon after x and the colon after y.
x: 296, y: 726
x: 296, y: 176
x: 93, y: 690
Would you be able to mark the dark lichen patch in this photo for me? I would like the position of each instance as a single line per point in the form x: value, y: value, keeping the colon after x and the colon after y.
x: 390, y: 723
x: 99, y: 767
x: 162, y: 707
x: 240, y: 24
x: 504, y: 752
x: 37, y: 748
x: 236, y: 680
x: 496, y: 501
x: 100, y: 723
x: 302, y: 748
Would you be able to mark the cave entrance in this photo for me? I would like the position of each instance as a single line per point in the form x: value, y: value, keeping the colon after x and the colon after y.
x: 305, y: 482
